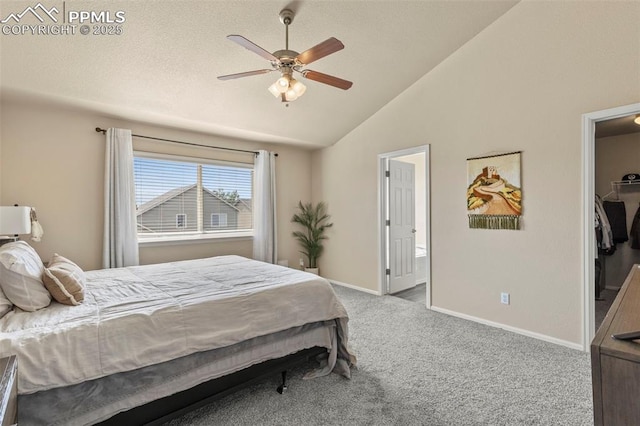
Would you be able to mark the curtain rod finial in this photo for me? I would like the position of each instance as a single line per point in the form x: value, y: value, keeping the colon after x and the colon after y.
x: 99, y: 130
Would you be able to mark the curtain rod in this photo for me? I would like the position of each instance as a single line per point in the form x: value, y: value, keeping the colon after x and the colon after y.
x: 103, y: 131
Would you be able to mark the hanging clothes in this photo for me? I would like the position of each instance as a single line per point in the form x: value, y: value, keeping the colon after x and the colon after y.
x: 604, y: 234
x: 635, y: 231
x: 617, y: 215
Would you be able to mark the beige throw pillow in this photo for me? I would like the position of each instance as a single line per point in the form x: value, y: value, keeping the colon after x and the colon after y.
x: 65, y: 280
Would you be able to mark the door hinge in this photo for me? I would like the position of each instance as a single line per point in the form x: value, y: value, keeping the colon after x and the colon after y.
x: 388, y: 271
x: 388, y: 222
x: 387, y: 173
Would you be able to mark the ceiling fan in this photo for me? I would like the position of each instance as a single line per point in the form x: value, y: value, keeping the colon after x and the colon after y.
x: 287, y: 61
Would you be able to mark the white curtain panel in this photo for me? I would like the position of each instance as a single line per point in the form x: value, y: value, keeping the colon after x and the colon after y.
x: 264, y: 208
x: 120, y: 233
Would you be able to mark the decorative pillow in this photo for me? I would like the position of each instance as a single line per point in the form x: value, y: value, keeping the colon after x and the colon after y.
x: 64, y: 280
x: 21, y: 272
x: 5, y: 304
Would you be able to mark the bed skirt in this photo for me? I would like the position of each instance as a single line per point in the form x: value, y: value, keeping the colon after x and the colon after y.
x: 97, y: 400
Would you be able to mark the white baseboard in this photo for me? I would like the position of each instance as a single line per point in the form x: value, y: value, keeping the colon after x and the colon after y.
x: 527, y: 333
x: 517, y: 330
x: 354, y: 287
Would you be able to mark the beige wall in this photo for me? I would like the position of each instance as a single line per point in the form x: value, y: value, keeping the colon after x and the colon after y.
x: 521, y: 84
x: 615, y: 157
x: 1, y: 138
x: 53, y: 159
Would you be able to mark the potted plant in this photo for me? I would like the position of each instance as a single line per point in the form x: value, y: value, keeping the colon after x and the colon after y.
x: 315, y: 221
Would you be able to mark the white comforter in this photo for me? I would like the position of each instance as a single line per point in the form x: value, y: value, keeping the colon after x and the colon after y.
x: 138, y: 316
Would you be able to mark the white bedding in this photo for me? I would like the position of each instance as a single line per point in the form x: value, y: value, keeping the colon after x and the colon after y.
x: 138, y: 316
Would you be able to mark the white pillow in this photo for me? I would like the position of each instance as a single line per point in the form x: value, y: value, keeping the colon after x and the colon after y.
x: 5, y: 304
x: 21, y: 272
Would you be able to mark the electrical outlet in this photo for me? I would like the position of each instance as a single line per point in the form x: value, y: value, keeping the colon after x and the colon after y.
x: 504, y: 298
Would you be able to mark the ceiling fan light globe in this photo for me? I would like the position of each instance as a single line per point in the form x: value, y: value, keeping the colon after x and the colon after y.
x: 637, y: 120
x: 298, y: 87
x: 274, y: 90
x: 282, y: 84
x: 291, y: 95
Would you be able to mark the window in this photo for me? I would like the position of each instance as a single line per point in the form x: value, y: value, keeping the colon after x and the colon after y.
x: 176, y: 195
x: 218, y: 220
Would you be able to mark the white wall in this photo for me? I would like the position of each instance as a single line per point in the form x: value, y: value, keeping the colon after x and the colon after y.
x: 521, y: 84
x: 53, y: 159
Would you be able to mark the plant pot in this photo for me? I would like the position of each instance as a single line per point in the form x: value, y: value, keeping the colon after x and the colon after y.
x: 315, y: 271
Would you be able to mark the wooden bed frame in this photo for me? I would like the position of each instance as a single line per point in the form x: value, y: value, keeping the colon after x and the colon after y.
x: 164, y: 409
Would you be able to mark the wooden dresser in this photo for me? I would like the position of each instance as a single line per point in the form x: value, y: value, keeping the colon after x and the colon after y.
x: 615, y: 364
x: 8, y: 391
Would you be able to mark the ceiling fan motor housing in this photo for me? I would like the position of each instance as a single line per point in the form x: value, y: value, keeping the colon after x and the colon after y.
x: 286, y: 58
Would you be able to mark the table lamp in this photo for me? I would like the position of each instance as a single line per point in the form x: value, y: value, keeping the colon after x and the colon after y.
x: 15, y: 220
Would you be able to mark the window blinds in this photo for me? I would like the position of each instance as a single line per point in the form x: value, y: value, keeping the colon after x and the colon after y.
x: 174, y: 195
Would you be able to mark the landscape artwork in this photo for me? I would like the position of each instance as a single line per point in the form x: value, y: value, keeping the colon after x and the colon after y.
x: 494, y: 194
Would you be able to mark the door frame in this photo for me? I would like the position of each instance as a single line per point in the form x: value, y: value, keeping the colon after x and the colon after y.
x: 588, y: 217
x: 383, y: 202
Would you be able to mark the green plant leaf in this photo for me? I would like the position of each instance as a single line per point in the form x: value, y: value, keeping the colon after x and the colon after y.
x: 314, y: 220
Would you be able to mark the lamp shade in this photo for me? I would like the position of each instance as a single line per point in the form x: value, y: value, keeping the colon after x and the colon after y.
x: 15, y: 220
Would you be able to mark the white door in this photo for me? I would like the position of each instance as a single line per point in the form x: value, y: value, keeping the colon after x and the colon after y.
x: 402, y: 232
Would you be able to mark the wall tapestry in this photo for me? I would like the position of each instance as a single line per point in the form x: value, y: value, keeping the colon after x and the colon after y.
x: 494, y: 196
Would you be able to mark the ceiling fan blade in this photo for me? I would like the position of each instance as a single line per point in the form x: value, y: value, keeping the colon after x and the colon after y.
x: 327, y: 79
x: 243, y: 74
x: 321, y: 50
x: 252, y: 47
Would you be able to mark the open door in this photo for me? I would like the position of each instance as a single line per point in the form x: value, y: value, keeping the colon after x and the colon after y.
x: 402, y: 226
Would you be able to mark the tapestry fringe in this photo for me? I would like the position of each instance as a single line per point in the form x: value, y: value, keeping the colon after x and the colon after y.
x: 485, y: 221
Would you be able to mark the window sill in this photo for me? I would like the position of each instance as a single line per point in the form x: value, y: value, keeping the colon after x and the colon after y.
x: 193, y: 239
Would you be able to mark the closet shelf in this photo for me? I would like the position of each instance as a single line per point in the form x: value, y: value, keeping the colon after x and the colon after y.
x: 617, y: 184
x: 624, y: 182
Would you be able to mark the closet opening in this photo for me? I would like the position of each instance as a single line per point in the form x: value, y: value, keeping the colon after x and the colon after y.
x: 611, y: 201
x: 617, y: 185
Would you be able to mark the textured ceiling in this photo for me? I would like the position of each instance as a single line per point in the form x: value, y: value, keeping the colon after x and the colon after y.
x: 162, y: 69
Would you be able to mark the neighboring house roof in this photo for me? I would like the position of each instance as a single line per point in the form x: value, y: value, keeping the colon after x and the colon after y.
x: 244, y: 203
x: 221, y: 199
x: 163, y: 198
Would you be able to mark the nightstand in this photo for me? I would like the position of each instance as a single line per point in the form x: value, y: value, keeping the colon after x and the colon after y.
x: 9, y: 391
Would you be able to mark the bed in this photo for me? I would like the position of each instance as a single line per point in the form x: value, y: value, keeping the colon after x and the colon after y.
x: 147, y: 333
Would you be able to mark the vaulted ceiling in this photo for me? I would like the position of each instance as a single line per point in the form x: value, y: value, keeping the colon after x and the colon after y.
x: 162, y: 68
